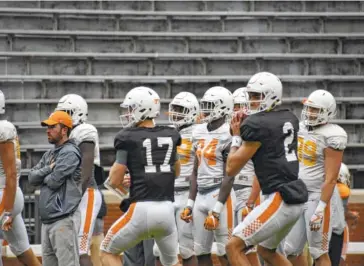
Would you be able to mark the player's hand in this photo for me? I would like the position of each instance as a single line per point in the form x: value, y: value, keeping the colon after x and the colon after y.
x: 6, y: 223
x: 355, y: 218
x: 316, y: 221
x: 246, y: 210
x: 186, y: 214
x: 237, y: 119
x: 212, y: 221
x: 126, y: 181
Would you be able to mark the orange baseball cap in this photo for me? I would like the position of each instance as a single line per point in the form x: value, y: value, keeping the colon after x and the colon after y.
x: 58, y: 117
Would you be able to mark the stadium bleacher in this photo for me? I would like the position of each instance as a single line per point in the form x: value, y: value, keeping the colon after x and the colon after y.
x: 101, y: 49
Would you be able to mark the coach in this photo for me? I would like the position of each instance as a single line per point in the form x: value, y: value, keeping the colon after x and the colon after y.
x: 59, y: 175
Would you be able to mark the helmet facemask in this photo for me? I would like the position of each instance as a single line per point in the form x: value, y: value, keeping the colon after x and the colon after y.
x: 179, y: 115
x: 313, y: 115
x: 261, y: 101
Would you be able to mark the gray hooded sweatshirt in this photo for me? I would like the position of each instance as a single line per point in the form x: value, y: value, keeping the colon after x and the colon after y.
x: 61, y: 191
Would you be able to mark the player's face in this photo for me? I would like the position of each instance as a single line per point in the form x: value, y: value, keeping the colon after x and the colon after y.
x: 177, y: 114
x: 206, y: 109
x: 255, y: 100
x: 127, y: 113
x: 312, y: 113
x: 55, y: 133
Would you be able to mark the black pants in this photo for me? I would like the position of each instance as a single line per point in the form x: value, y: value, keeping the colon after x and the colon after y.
x: 140, y: 255
x: 335, y: 249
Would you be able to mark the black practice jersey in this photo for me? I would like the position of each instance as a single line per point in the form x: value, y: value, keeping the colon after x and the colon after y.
x: 275, y: 162
x: 150, y: 161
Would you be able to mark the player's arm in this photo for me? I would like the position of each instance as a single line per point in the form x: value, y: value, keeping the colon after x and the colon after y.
x: 65, y: 165
x: 186, y: 214
x: 333, y: 155
x: 177, y: 166
x: 118, y: 169
x: 254, y: 194
x: 240, y: 152
x: 39, y: 172
x: 9, y: 163
x: 333, y: 159
x: 87, y: 152
x: 238, y: 157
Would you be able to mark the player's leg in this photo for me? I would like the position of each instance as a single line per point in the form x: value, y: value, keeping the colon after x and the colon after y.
x: 149, y: 259
x: 203, y: 239
x: 267, y: 224
x: 17, y: 236
x: 134, y: 255
x: 345, y: 245
x: 185, y: 237
x: 95, y: 247
x: 125, y: 233
x: 295, y: 242
x: 225, y: 229
x: 89, y: 208
x: 162, y: 227
x: 319, y: 241
x: 335, y: 248
x: 242, y: 196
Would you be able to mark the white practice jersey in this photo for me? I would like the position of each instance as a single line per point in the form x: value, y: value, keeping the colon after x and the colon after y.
x: 88, y: 133
x: 210, y: 147
x: 8, y: 133
x: 311, y: 146
x: 246, y: 175
x: 186, y: 157
x: 338, y: 221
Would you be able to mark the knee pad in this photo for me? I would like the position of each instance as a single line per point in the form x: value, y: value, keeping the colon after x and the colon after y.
x: 289, y: 250
x: 186, y: 252
x: 316, y: 252
x: 220, y: 249
x: 200, y: 250
x: 156, y: 252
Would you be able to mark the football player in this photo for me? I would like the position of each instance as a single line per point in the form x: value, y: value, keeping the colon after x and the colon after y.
x: 86, y: 137
x: 320, y: 151
x: 343, y: 185
x: 270, y: 140
x: 149, y: 152
x: 244, y: 180
x: 12, y: 199
x: 211, y: 141
x: 183, y: 113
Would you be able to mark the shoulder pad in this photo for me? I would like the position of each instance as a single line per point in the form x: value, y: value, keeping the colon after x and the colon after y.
x: 7, y: 131
x: 84, y: 132
x: 335, y: 136
x: 250, y: 129
x: 122, y: 140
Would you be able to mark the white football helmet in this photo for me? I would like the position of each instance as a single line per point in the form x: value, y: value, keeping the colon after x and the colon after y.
x: 184, y: 109
x: 141, y: 103
x: 269, y: 86
x: 240, y: 98
x: 217, y: 102
x: 344, y: 175
x: 324, y: 105
x: 75, y: 106
x: 2, y: 103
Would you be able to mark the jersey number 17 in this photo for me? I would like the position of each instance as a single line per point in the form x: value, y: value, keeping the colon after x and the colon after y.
x: 164, y: 167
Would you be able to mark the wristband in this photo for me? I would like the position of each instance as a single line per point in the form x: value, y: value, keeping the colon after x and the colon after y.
x: 218, y: 207
x: 321, y: 206
x: 236, y: 141
x: 190, y: 203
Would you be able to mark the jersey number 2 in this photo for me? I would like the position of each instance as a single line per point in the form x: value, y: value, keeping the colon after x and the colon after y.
x: 288, y: 131
x: 165, y: 166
